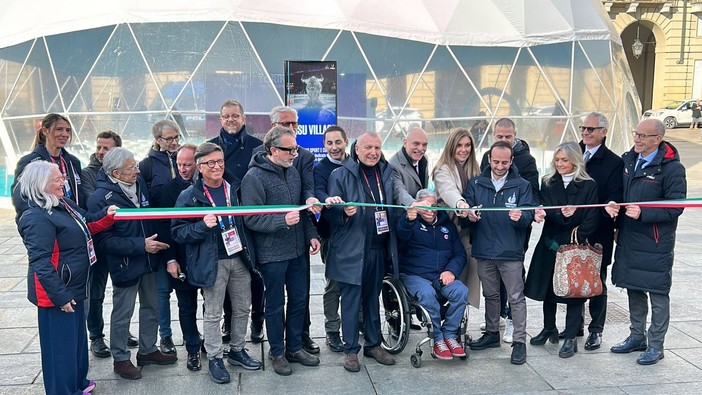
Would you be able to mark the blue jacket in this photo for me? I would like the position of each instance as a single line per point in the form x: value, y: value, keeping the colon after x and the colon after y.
x: 238, y: 150
x: 495, y: 235
x: 73, y: 171
x: 123, y: 245
x: 322, y: 171
x: 428, y: 250
x: 643, y: 259
x: 201, y: 242
x: 156, y: 170
x: 58, y: 252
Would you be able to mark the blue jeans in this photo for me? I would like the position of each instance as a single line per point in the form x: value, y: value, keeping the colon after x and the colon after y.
x: 457, y: 295
x: 365, y: 296
x: 163, y: 285
x: 290, y: 275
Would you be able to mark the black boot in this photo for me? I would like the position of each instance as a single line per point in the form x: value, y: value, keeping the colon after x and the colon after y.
x: 545, y: 334
x: 256, y: 330
x: 569, y: 348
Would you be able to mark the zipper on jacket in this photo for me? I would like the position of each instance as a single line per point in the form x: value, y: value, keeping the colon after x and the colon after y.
x: 655, y: 231
x: 143, y: 232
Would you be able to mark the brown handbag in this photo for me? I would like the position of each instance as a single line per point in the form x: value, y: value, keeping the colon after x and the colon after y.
x: 576, y: 273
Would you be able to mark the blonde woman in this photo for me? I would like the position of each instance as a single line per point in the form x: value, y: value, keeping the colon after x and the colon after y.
x: 456, y: 166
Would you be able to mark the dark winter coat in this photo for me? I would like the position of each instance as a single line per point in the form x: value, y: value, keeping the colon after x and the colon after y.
x: 644, y: 257
x: 200, y: 242
x: 495, y: 235
x: 304, y: 164
x: 322, y: 171
x: 428, y: 250
x: 123, y: 245
x: 524, y: 162
x: 349, y: 237
x: 73, y: 174
x: 157, y: 170
x: 539, y: 282
x: 605, y: 167
x: 238, y: 150
x: 58, y: 252
x: 90, y: 172
x: 268, y: 184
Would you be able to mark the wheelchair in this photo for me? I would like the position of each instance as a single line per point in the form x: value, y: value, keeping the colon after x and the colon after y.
x: 399, y: 307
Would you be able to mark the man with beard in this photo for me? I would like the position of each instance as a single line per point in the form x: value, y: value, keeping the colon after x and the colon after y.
x: 281, y: 242
x: 410, y: 167
x: 364, y: 243
x: 104, y: 141
x: 335, y: 141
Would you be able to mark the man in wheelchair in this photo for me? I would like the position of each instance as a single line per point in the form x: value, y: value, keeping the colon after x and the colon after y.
x: 431, y: 259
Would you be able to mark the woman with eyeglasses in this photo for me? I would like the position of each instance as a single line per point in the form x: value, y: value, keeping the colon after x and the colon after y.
x: 452, y: 172
x: 568, y: 185
x: 49, y: 145
x: 58, y: 236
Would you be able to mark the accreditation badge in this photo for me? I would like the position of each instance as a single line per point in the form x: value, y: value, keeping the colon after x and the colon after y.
x: 232, y: 242
x: 381, y: 222
x: 91, y: 252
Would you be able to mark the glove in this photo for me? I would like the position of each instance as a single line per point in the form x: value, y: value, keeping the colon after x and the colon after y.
x: 553, y: 246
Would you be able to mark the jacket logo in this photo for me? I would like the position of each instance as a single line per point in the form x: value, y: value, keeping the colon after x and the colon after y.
x: 423, y: 228
x: 651, y: 177
x: 512, y: 200
x: 144, y: 202
x: 444, y: 229
x: 108, y: 196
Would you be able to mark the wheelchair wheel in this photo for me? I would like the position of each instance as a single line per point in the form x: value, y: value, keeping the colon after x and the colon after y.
x: 395, y: 321
x: 416, y: 360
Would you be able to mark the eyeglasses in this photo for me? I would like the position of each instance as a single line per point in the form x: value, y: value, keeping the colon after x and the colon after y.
x: 211, y: 163
x: 641, y: 135
x: 170, y: 139
x: 287, y: 124
x: 589, y: 129
x: 131, y: 169
x: 226, y: 117
x: 290, y: 150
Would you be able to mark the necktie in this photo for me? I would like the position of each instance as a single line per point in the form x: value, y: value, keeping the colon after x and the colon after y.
x: 587, y: 156
x: 416, y: 168
x: 640, y: 163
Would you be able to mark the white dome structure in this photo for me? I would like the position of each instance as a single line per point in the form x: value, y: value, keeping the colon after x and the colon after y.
x: 123, y: 65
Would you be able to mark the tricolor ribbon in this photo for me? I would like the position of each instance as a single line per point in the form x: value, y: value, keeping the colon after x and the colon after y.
x: 199, y: 212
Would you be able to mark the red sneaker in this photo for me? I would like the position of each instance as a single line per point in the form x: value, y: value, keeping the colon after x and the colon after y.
x: 441, y: 351
x: 455, y: 347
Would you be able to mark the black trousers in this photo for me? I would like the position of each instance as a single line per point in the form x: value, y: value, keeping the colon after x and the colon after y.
x: 574, y: 316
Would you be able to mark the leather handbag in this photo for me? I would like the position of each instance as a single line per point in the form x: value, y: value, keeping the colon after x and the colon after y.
x: 576, y: 273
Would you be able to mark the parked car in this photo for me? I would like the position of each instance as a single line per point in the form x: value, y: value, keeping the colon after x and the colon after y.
x: 674, y: 114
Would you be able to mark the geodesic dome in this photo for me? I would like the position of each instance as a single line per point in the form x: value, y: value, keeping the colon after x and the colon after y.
x: 438, y: 64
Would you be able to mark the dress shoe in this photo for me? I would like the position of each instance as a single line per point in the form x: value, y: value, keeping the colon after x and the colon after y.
x: 256, y: 331
x: 99, y: 348
x: 650, y: 356
x: 156, y: 358
x: 309, y: 345
x: 303, y: 357
x: 487, y: 340
x: 194, y: 363
x: 218, y: 371
x: 334, y: 342
x: 518, y: 353
x: 380, y: 355
x: 351, y: 362
x: 568, y: 349
x: 243, y: 359
x: 581, y: 333
x: 594, y: 341
x: 132, y: 341
x: 167, y: 346
x: 545, y: 334
x: 629, y: 345
x: 281, y: 366
x: 126, y: 370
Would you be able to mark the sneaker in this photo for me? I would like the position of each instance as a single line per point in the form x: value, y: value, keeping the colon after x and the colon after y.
x: 90, y: 387
x: 502, y: 324
x: 455, y: 347
x: 218, y: 372
x: 441, y: 350
x: 487, y: 340
x: 243, y: 359
x: 509, y: 331
x: 99, y: 348
x: 379, y: 354
x: 351, y: 362
x: 127, y: 370
x: 156, y: 358
x: 518, y: 353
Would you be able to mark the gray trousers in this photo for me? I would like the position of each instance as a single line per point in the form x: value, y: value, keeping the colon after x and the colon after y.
x: 660, y: 316
x: 330, y: 299
x: 490, y: 272
x: 123, y: 302
x: 232, y: 276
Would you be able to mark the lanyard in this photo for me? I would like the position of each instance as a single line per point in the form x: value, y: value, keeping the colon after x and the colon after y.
x: 67, y: 191
x: 170, y: 164
x: 78, y: 218
x: 226, y: 196
x: 377, y: 181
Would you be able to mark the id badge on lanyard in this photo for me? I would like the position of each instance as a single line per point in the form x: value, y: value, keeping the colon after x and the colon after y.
x: 91, y: 252
x: 232, y: 242
x: 381, y: 222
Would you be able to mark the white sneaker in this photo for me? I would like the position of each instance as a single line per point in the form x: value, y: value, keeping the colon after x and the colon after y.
x: 502, y: 324
x: 509, y: 332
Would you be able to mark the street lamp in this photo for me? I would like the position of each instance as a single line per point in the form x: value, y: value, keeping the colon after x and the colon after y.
x: 637, y: 47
